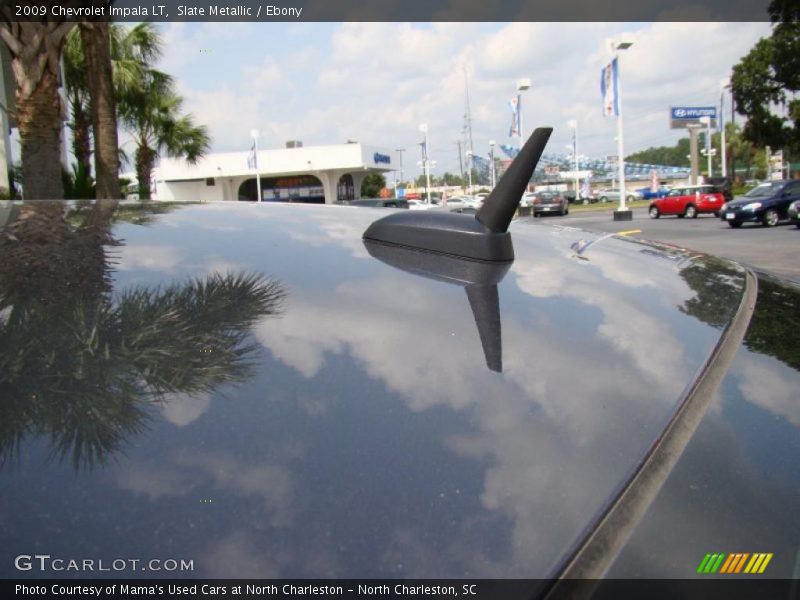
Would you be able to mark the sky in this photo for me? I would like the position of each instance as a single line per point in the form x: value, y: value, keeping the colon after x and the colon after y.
x: 326, y: 83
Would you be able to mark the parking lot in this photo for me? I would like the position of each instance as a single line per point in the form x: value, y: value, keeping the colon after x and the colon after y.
x: 775, y: 250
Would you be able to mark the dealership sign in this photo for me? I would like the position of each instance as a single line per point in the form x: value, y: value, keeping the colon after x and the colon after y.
x: 681, y: 116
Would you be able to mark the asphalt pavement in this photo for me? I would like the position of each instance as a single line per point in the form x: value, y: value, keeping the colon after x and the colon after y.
x: 775, y: 250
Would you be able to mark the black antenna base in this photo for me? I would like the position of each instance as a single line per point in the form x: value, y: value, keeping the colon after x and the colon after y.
x: 444, y: 233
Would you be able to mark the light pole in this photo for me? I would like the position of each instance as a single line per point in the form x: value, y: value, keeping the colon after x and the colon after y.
x: 574, y: 125
x: 469, y: 171
x: 426, y: 163
x: 400, y: 151
x: 522, y: 85
x: 724, y: 84
x: 623, y: 213
x: 491, y: 162
x: 706, y: 120
x: 254, y: 135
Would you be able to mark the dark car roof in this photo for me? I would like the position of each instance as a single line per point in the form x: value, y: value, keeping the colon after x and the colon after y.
x: 248, y: 387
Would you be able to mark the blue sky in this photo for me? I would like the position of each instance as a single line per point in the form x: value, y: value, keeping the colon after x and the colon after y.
x: 325, y: 83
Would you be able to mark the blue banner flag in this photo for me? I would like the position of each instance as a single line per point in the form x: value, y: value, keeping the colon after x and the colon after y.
x: 424, y: 150
x: 610, y: 89
x: 481, y: 165
x: 251, y: 159
x: 585, y: 189
x: 515, y: 105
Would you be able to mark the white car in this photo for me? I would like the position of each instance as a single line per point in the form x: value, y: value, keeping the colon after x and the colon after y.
x: 420, y: 205
x: 612, y: 195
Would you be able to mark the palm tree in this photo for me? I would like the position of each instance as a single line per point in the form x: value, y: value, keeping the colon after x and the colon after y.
x: 153, y: 113
x: 35, y: 49
x: 82, y: 364
x: 96, y: 44
x: 132, y: 50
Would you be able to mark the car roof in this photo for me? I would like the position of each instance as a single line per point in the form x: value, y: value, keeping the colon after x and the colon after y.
x: 320, y: 406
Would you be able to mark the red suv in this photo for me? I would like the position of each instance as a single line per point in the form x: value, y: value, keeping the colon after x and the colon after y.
x: 688, y: 201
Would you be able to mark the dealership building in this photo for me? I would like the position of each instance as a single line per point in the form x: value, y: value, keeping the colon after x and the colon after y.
x: 313, y: 174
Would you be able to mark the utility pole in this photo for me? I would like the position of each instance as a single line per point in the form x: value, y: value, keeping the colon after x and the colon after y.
x: 400, y: 151
x: 468, y: 115
x: 460, y: 162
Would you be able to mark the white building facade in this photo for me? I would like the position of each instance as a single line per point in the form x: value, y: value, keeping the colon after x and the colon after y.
x: 313, y: 174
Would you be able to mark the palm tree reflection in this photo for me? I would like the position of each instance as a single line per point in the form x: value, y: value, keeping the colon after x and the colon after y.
x: 82, y: 364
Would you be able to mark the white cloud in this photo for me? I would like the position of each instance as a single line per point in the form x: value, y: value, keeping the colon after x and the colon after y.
x: 181, y: 409
x: 772, y: 386
x: 146, y: 257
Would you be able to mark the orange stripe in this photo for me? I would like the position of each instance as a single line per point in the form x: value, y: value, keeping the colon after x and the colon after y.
x: 733, y: 564
x: 724, y: 568
x: 736, y: 558
x: 765, y: 563
x: 741, y: 562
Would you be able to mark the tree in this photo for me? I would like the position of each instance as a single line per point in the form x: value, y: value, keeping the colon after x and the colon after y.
x: 766, y: 80
x: 672, y: 156
x: 152, y: 111
x: 450, y: 179
x: 132, y: 51
x: 372, y: 185
x: 35, y: 49
x: 95, y: 39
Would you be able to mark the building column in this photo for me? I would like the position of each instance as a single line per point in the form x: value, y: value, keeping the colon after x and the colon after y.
x: 330, y: 182
x: 358, y: 179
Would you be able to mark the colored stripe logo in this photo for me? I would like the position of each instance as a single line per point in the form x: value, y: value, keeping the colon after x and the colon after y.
x: 737, y: 562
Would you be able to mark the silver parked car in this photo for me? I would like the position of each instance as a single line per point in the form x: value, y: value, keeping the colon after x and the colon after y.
x: 612, y: 195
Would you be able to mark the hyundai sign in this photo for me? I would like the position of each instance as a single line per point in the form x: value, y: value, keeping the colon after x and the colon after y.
x: 681, y: 116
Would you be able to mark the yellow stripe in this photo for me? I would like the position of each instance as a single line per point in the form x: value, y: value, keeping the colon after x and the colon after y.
x: 759, y: 559
x: 741, y: 562
x: 752, y: 563
x: 765, y: 563
x: 724, y: 568
x: 629, y: 232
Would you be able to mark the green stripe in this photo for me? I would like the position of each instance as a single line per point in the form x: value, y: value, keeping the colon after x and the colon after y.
x: 718, y: 564
x: 710, y: 563
x: 703, y: 563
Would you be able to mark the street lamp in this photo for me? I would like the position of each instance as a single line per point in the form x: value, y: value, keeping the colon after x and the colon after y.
x: 572, y: 123
x: 724, y: 84
x: 624, y: 42
x: 522, y: 85
x: 254, y: 135
x: 426, y: 163
x: 491, y: 162
x: 706, y: 120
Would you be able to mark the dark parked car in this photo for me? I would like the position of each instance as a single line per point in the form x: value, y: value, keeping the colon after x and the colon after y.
x: 767, y: 203
x: 550, y: 203
x: 227, y: 391
x: 794, y: 213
